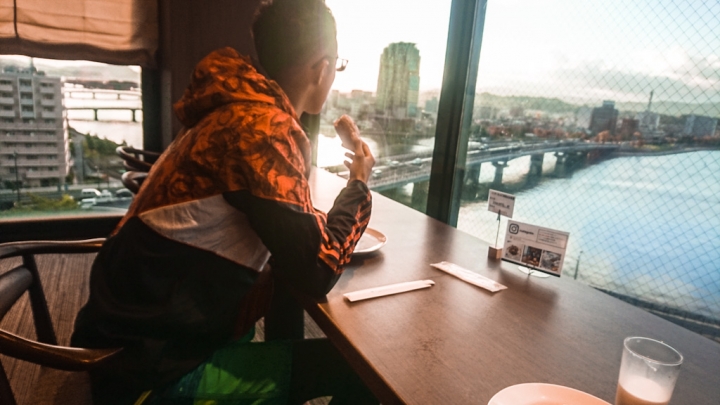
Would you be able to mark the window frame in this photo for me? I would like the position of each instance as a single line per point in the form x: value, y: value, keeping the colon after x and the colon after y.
x: 465, y: 30
x: 455, y: 108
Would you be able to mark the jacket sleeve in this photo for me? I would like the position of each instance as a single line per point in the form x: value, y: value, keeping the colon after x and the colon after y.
x: 309, y: 248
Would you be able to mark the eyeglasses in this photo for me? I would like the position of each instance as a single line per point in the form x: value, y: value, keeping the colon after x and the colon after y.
x: 340, y: 64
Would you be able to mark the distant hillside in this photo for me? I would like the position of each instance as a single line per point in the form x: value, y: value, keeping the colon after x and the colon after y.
x: 674, y: 108
x: 555, y: 105
x: 551, y: 105
x: 90, y: 71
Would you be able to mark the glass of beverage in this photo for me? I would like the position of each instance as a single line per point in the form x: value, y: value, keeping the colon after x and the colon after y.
x: 648, y: 372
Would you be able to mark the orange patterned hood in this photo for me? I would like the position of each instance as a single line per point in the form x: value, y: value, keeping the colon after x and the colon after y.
x: 225, y: 77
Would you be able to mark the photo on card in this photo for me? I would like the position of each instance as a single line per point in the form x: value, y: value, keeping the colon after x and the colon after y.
x: 531, y: 256
x: 535, y: 247
x: 514, y: 252
x: 550, y: 261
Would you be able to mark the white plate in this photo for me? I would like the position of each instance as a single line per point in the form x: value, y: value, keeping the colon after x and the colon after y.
x: 371, y: 241
x: 543, y: 394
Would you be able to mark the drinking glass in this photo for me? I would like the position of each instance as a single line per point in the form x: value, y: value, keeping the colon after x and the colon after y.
x: 648, y: 372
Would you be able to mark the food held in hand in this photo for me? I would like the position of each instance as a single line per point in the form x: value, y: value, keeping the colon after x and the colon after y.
x: 348, y: 131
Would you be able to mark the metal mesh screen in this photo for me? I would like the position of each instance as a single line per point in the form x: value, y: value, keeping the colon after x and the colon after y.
x: 602, y: 117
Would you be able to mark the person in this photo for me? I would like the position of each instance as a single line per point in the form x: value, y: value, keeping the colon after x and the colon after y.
x: 223, y: 215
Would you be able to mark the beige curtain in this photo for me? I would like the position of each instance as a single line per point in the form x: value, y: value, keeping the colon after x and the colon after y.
x: 110, y: 31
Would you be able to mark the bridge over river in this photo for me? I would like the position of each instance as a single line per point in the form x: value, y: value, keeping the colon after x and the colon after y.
x: 397, y: 171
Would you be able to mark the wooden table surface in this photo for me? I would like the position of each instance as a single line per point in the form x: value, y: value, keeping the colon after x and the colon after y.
x: 455, y: 343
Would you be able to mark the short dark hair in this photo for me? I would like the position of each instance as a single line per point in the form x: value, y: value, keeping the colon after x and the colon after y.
x: 288, y: 31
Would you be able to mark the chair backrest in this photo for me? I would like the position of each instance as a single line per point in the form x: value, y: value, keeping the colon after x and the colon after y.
x: 132, y: 158
x: 25, y: 277
x: 132, y: 180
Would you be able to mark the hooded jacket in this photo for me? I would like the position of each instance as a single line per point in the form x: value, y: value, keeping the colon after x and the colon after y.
x: 186, y: 269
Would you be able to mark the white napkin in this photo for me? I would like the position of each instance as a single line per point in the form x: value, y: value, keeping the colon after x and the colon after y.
x: 469, y: 276
x: 387, y: 290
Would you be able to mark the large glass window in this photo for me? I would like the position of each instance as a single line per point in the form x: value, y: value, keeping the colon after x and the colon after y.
x: 391, y: 86
x: 63, y: 121
x: 602, y: 118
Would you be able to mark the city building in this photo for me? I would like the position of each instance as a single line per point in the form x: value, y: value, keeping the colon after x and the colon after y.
x: 628, y: 127
x: 582, y: 117
x: 399, y: 81
x: 431, y: 105
x: 698, y: 125
x: 33, y: 139
x: 604, y: 118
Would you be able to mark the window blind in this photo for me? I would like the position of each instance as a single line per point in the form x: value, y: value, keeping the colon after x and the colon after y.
x: 110, y: 31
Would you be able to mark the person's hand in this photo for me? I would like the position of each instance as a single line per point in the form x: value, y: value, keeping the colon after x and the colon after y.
x: 361, y: 162
x: 361, y: 159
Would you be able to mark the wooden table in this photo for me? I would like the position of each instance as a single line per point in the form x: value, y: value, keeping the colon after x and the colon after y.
x: 458, y: 344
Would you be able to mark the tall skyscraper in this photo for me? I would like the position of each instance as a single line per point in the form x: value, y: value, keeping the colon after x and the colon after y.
x: 604, y: 118
x: 399, y: 80
x: 33, y: 141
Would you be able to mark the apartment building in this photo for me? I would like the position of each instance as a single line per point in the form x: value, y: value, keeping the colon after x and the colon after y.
x: 33, y: 137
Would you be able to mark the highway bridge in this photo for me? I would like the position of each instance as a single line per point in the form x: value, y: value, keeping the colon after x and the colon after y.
x: 397, y: 171
x: 95, y: 110
x: 100, y: 94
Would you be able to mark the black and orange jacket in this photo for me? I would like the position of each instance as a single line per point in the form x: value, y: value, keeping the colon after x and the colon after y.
x: 228, y: 197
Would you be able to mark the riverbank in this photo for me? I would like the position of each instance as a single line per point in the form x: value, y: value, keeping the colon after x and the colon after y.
x: 660, y: 152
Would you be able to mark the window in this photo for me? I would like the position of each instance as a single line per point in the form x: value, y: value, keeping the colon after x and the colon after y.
x: 73, y: 89
x: 392, y: 75
x: 7, y: 108
x: 5, y: 82
x: 592, y: 140
x: 7, y: 120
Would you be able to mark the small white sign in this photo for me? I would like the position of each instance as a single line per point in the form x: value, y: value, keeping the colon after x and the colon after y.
x: 501, y: 203
x: 536, y: 248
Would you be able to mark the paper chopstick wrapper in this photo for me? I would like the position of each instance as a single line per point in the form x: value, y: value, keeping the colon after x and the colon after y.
x: 469, y: 276
x: 387, y: 290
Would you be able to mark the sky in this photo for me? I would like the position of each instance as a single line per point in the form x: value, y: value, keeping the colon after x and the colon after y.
x: 572, y: 49
x: 576, y: 50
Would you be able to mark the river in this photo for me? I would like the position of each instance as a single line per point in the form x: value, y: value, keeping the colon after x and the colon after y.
x: 647, y: 226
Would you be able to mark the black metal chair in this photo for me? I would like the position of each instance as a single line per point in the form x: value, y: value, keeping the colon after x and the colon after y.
x: 45, y: 350
x: 132, y: 158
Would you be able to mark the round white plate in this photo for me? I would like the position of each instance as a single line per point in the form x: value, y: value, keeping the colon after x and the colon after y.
x: 371, y: 241
x: 543, y: 394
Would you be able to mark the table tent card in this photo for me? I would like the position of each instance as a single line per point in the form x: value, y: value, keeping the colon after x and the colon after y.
x: 535, y: 247
x: 502, y: 204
